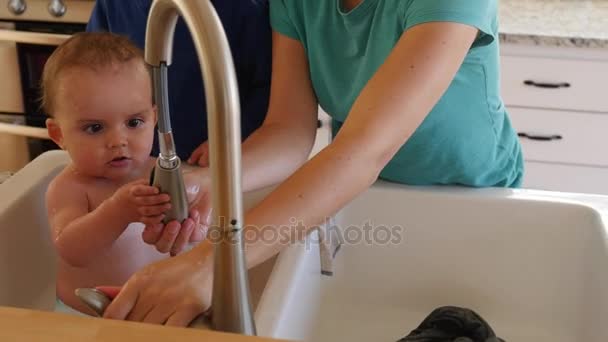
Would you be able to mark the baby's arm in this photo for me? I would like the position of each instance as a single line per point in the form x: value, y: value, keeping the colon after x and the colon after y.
x: 80, y: 235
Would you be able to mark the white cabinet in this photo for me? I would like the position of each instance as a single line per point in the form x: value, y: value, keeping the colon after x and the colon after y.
x: 566, y: 178
x: 556, y: 83
x: 15, y: 153
x: 323, y: 137
x: 558, y: 104
x: 565, y: 137
x: 11, y: 100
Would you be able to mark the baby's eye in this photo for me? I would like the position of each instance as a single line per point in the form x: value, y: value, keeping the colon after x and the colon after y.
x: 135, y: 123
x: 93, y: 128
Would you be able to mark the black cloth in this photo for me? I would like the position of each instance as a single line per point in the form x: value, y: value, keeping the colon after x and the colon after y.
x: 452, y: 324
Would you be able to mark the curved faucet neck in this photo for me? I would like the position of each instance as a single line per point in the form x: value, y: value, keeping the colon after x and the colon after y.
x: 231, y: 305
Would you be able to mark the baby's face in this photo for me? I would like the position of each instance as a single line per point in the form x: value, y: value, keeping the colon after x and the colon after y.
x: 106, y: 119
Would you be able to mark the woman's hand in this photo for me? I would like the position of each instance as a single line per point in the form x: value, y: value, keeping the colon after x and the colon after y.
x: 173, y: 291
x: 174, y: 237
x: 197, y: 183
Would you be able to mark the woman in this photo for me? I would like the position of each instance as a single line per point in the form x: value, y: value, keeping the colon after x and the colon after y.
x: 413, y: 89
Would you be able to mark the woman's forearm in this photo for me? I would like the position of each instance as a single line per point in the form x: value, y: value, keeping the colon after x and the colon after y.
x: 274, y: 152
x: 302, y: 202
x: 268, y: 156
x: 308, y: 198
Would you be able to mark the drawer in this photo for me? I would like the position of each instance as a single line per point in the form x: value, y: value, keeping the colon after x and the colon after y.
x: 566, y: 178
x: 562, y: 136
x: 554, y: 83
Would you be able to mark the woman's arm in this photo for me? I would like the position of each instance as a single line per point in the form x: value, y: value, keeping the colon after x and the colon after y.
x: 389, y: 109
x: 284, y: 141
x: 387, y: 112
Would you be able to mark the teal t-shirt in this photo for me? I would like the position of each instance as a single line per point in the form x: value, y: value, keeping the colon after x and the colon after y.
x: 467, y: 138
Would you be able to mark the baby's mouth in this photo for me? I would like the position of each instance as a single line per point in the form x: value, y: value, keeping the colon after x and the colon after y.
x: 119, y: 161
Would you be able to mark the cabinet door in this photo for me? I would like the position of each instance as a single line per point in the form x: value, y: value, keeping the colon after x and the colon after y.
x: 14, y: 152
x: 564, y: 137
x: 554, y: 83
x: 566, y: 178
x: 11, y: 100
x: 323, y: 137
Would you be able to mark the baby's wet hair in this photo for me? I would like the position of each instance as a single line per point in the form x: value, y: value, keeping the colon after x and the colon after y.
x: 93, y: 50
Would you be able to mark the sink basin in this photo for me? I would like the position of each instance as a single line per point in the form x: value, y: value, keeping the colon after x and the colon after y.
x: 27, y: 255
x: 533, y: 264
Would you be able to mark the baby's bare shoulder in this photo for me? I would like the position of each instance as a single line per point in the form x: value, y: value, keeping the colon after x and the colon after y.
x: 67, y: 184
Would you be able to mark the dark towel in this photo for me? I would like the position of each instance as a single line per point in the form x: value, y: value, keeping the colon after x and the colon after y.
x: 452, y: 324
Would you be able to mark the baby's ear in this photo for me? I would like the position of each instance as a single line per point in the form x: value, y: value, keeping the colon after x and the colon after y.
x: 155, y: 111
x: 54, y: 131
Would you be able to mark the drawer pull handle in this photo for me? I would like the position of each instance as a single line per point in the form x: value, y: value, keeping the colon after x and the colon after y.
x: 540, y: 136
x: 547, y: 85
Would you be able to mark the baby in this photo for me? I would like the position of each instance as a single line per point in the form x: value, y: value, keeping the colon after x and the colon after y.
x: 97, y: 93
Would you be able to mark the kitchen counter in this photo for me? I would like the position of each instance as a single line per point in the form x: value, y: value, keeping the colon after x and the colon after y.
x: 26, y: 325
x: 572, y: 23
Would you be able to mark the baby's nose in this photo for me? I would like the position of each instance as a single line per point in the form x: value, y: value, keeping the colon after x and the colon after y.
x: 116, y: 140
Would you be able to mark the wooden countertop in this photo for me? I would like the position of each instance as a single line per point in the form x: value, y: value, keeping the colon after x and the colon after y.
x: 18, y: 325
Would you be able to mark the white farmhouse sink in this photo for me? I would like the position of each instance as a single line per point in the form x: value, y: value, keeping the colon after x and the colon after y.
x: 533, y: 264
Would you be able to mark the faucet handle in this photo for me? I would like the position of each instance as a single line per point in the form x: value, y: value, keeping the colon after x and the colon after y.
x: 95, y: 299
x: 171, y: 181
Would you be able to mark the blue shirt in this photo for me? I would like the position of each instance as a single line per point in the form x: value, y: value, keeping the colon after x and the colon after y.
x: 467, y: 138
x: 247, y: 27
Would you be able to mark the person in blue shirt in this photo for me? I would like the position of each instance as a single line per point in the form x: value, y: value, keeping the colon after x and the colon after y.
x: 247, y: 27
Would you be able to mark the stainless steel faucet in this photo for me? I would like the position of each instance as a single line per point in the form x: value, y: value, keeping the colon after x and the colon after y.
x: 231, y: 304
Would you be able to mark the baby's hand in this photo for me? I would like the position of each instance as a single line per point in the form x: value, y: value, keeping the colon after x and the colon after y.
x: 141, y: 202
